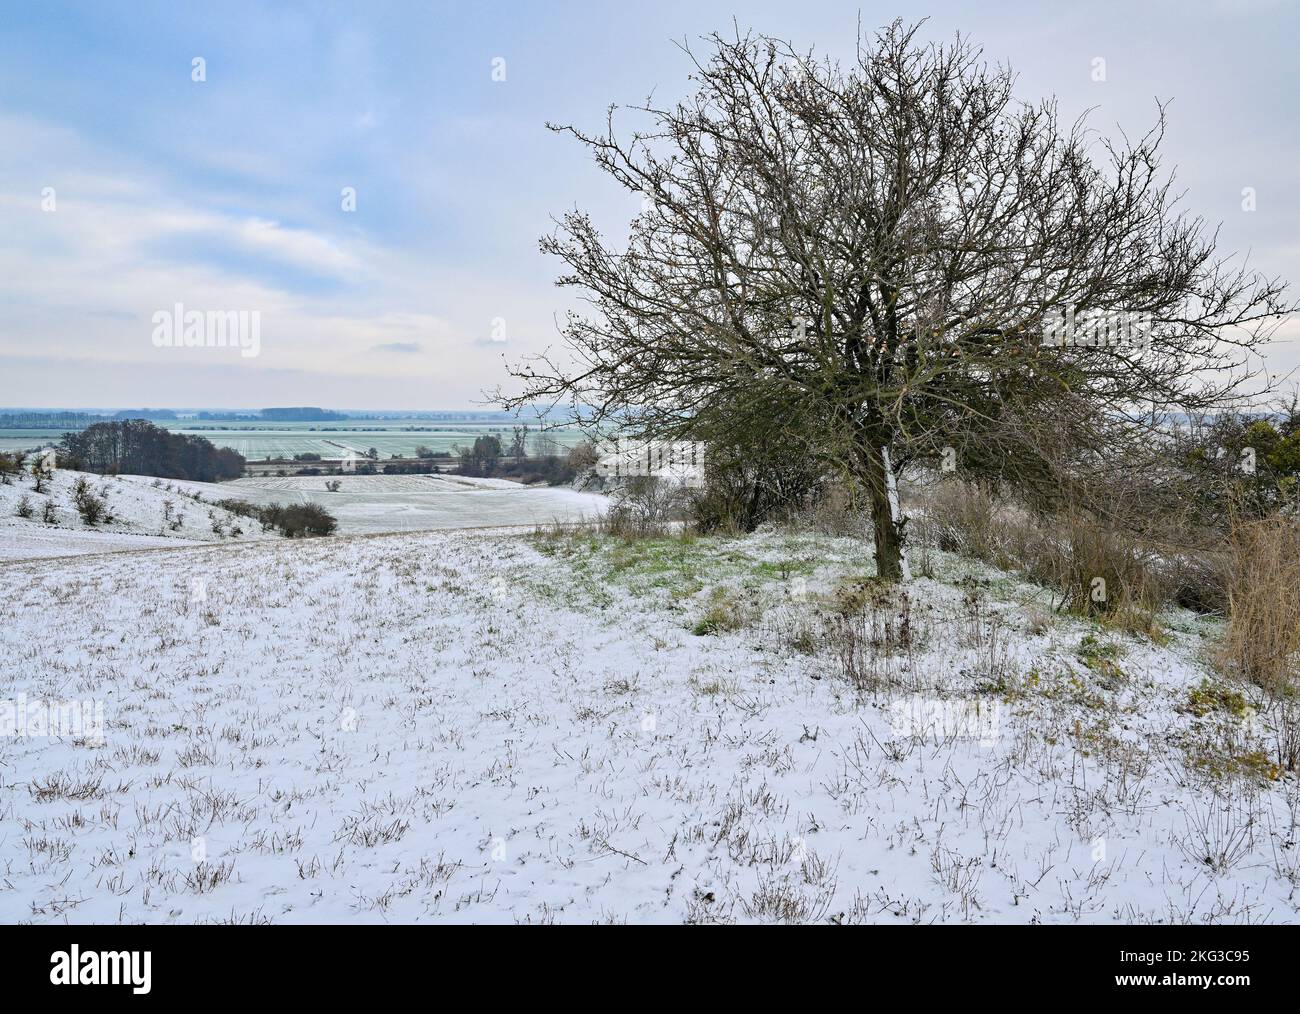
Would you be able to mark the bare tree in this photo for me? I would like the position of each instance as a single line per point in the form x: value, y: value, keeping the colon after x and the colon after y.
x: 518, y: 442
x: 898, y: 254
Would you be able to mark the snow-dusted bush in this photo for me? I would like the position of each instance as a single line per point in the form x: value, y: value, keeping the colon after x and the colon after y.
x: 92, y: 508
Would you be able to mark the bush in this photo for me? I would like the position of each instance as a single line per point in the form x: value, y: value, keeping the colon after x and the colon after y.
x: 1242, y: 463
x: 25, y: 509
x: 645, y: 507
x: 550, y: 469
x: 1096, y: 569
x: 306, y: 519
x: 294, y: 521
x: 582, y: 457
x: 241, y: 507
x: 93, y: 509
x: 422, y: 466
x: 745, y: 487
x: 41, y: 476
x: 832, y: 511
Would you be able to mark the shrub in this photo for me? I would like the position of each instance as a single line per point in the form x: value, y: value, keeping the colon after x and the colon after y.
x: 92, y: 508
x: 41, y: 476
x: 422, y: 466
x: 299, y: 520
x: 582, y: 457
x: 307, y: 519
x: 25, y: 509
x: 1097, y: 569
x: 831, y: 511
x: 645, y: 507
x: 292, y: 521
x: 745, y: 486
x: 241, y: 507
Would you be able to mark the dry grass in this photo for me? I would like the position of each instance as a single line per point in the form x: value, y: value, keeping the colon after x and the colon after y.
x: 1113, y: 576
x: 871, y: 631
x: 1262, y: 642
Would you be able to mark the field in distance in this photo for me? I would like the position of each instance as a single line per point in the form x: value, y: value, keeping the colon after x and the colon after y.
x: 333, y: 439
x: 387, y: 503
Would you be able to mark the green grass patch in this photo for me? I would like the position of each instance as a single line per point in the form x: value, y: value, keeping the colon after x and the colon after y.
x: 1210, y: 697
x: 1100, y: 655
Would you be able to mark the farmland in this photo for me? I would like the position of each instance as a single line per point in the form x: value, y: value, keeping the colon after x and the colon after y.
x: 398, y: 436
x: 365, y: 504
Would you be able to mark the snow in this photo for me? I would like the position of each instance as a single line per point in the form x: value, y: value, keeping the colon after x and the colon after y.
x: 497, y: 727
x: 384, y: 503
x: 363, y: 504
x: 137, y: 505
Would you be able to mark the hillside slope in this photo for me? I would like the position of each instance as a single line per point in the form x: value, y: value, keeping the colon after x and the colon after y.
x: 385, y: 503
x: 505, y: 728
x: 139, y: 514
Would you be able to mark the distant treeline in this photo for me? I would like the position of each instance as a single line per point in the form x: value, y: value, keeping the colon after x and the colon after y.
x: 138, y: 447
x: 68, y: 419
x: 75, y: 420
x: 144, y: 413
x: 47, y: 420
x: 303, y: 414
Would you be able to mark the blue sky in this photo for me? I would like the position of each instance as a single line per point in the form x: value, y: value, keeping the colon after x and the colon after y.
x: 226, y: 193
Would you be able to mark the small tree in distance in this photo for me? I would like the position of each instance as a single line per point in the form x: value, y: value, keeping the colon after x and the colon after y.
x: 885, y: 252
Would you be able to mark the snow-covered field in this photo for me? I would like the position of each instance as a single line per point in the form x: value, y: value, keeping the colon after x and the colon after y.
x: 145, y: 513
x: 362, y: 504
x: 385, y: 503
x: 503, y: 727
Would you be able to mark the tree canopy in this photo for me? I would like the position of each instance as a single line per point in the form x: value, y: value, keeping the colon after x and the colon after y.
x: 893, y: 259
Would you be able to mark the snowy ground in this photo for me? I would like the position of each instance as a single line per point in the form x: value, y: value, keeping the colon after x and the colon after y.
x: 385, y: 503
x: 501, y: 727
x: 362, y: 504
x: 140, y: 517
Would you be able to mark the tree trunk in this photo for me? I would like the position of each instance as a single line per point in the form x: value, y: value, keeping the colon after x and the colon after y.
x: 887, y: 519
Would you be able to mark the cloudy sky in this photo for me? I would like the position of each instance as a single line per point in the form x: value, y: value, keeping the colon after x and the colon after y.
x: 127, y: 186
